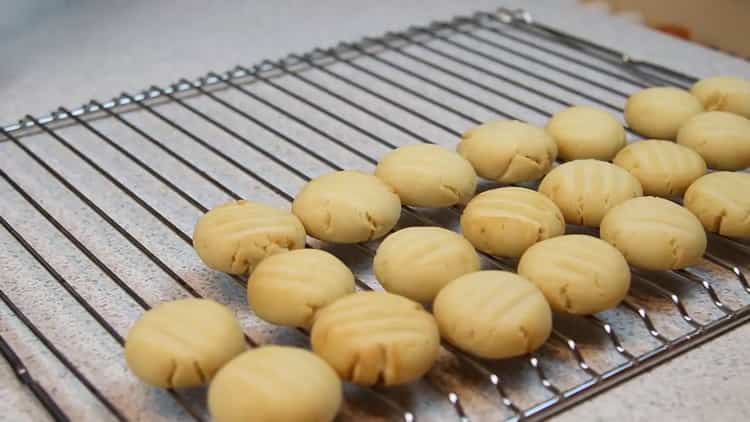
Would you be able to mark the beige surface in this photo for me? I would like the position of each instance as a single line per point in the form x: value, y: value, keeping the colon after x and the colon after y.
x: 721, y: 201
x: 275, y: 384
x: 506, y: 221
x: 183, y: 343
x: 578, y: 274
x: 660, y: 112
x: 508, y: 151
x: 372, y: 337
x: 724, y: 93
x: 289, y: 288
x: 417, y: 262
x: 347, y: 207
x: 586, y: 132
x: 585, y: 190
x: 663, y: 168
x: 721, y: 138
x: 493, y: 314
x: 655, y: 233
x: 426, y: 175
x: 234, y: 237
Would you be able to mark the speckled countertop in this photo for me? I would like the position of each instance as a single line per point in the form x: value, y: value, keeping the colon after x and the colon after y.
x: 66, y: 52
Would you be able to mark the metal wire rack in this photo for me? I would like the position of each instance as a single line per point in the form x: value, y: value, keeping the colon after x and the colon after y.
x: 98, y: 203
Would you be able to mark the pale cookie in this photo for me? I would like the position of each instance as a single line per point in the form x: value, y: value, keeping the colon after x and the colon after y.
x: 578, y: 274
x: 659, y: 112
x: 236, y: 236
x: 288, y: 289
x: 347, y: 207
x: 585, y: 190
x: 506, y: 221
x: 586, y: 132
x: 654, y: 233
x: 721, y: 201
x: 721, y: 138
x: 428, y: 176
x: 724, y: 93
x: 275, y: 384
x: 417, y: 262
x: 508, y: 151
x: 373, y: 337
x: 493, y: 314
x: 183, y: 343
x: 664, y: 168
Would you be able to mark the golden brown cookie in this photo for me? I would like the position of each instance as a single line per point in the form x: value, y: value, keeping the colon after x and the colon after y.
x: 586, y: 132
x: 372, y: 337
x: 428, y: 176
x: 724, y: 93
x: 347, y: 207
x: 183, y: 343
x: 721, y: 138
x: 275, y: 384
x: 721, y: 201
x: 493, y: 314
x: 506, y: 221
x: 236, y: 236
x: 659, y: 112
x: 578, y: 274
x: 654, y: 233
x: 289, y: 288
x: 417, y: 262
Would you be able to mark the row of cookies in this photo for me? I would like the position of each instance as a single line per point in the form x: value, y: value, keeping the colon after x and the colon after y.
x: 370, y: 337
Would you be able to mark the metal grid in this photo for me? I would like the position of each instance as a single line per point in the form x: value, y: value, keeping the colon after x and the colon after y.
x: 98, y: 203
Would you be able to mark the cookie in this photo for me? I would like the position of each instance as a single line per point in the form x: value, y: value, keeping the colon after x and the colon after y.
x: 586, y: 132
x: 417, y: 262
x: 721, y: 201
x: 721, y: 138
x: 585, y: 190
x: 275, y: 384
x: 578, y: 274
x: 236, y: 236
x: 183, y: 343
x: 347, y: 207
x: 508, y: 151
x: 428, y: 176
x: 654, y: 233
x: 660, y: 112
x: 506, y: 221
x: 288, y: 289
x: 662, y: 167
x: 376, y: 337
x: 493, y: 314
x: 724, y: 93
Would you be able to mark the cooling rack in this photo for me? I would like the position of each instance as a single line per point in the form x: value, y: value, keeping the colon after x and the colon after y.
x: 98, y: 203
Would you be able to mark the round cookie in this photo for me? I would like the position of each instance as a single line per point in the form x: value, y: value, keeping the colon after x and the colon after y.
x: 508, y: 151
x: 654, y: 233
x: 493, y: 314
x: 275, y: 384
x: 183, y: 343
x: 585, y: 190
x: 347, y: 207
x: 664, y: 168
x: 234, y: 237
x: 586, y: 132
x: 428, y: 176
x: 288, y: 289
x: 417, y: 262
x: 506, y: 221
x: 724, y: 93
x: 372, y: 337
x: 721, y: 138
x: 578, y: 274
x: 659, y: 112
x: 721, y: 201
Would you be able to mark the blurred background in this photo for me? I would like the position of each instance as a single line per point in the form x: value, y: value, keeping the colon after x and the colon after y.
x: 69, y: 51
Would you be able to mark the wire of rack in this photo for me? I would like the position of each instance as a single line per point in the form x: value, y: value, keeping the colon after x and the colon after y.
x: 264, y: 130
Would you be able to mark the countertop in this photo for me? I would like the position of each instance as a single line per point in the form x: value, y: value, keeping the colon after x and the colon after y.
x: 67, y: 52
